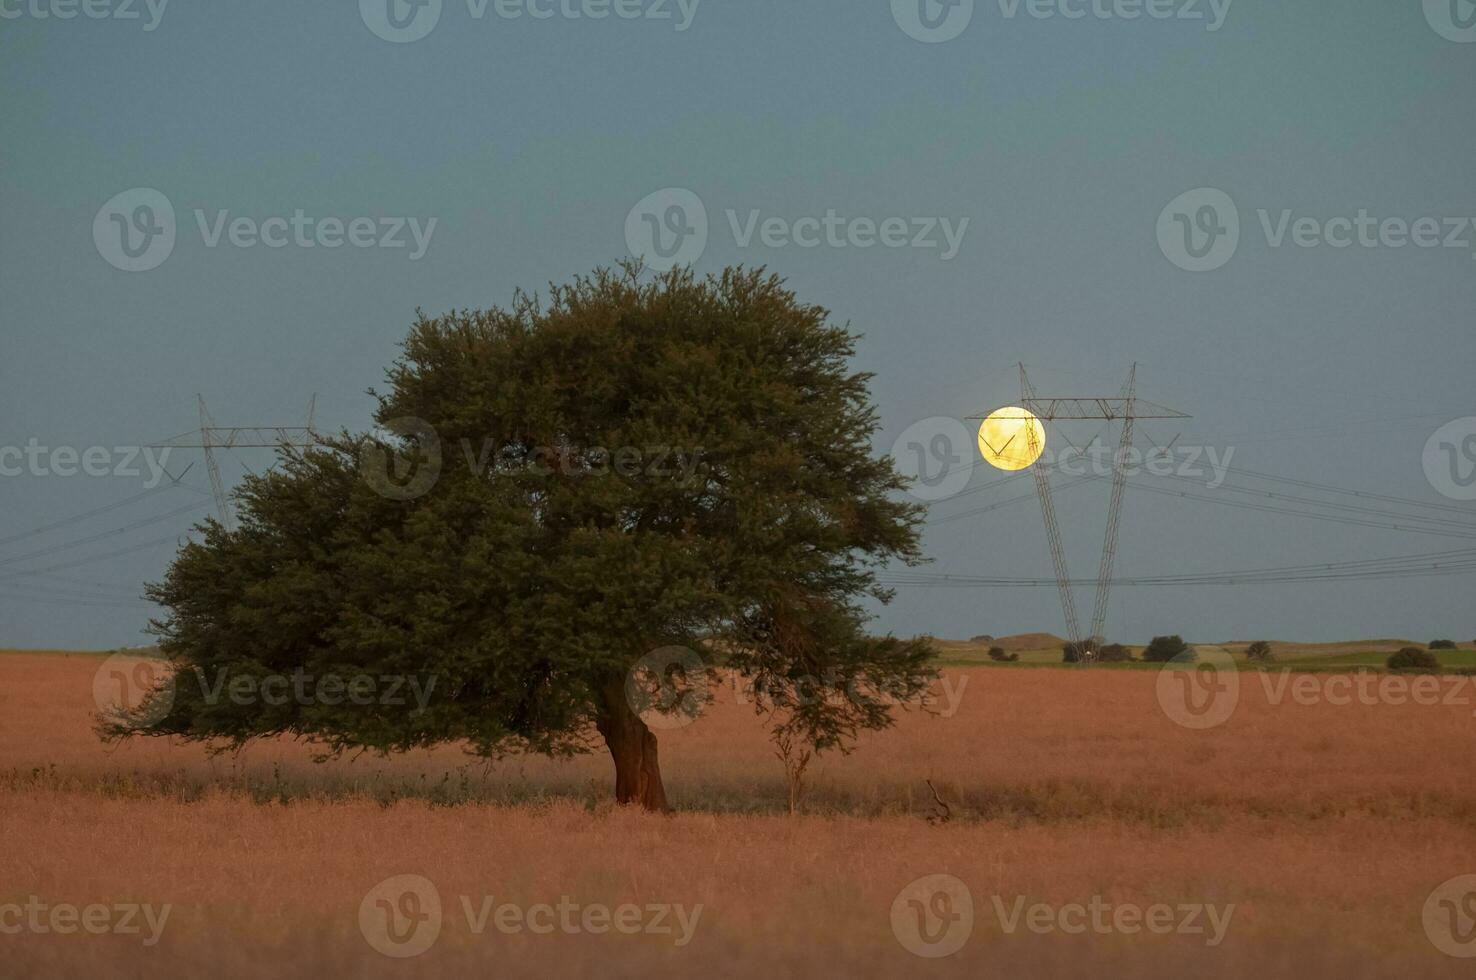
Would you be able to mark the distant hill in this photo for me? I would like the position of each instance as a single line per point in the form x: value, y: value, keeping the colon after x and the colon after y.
x: 1028, y: 641
x: 1328, y: 649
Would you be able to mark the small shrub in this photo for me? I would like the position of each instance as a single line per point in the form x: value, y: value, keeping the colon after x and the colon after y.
x: 1442, y: 644
x: 997, y: 653
x: 1259, y: 651
x: 1114, y: 653
x: 1071, y: 653
x: 1165, y: 648
x: 1413, y: 659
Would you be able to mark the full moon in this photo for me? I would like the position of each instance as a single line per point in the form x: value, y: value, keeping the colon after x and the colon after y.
x: 1005, y: 438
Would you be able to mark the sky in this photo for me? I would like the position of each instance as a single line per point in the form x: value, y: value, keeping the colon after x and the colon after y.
x: 1267, y: 207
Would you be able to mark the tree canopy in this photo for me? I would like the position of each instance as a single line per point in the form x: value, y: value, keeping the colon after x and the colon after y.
x: 554, y: 491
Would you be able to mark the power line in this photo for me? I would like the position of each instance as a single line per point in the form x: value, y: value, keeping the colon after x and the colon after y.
x: 102, y: 535
x: 154, y: 543
x: 89, y: 514
x: 1273, y: 509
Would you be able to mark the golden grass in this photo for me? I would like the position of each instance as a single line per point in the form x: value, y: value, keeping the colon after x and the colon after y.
x: 1327, y: 826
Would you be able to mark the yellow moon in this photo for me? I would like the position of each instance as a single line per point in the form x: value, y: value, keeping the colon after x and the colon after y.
x: 1005, y: 438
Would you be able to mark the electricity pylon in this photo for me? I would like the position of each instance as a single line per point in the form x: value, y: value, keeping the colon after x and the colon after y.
x: 211, y: 437
x: 1127, y: 408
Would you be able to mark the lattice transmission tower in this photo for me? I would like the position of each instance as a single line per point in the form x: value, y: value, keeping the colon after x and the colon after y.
x: 1125, y: 407
x: 211, y: 437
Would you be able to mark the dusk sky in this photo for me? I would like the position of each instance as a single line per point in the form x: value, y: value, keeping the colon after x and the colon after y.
x: 1268, y: 207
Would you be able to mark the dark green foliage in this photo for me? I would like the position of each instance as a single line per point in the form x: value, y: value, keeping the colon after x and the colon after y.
x: 531, y: 576
x: 1414, y: 660
x: 1163, y: 649
x: 1259, y: 651
x: 1071, y: 653
x: 998, y: 654
x: 1442, y: 644
x: 1114, y: 653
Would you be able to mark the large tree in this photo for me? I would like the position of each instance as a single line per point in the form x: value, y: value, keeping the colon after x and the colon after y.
x: 554, y: 491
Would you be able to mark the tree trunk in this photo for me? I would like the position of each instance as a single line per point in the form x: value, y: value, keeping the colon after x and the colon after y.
x: 633, y: 748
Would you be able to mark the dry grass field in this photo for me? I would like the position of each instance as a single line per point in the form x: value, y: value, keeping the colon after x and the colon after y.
x: 1325, y: 825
